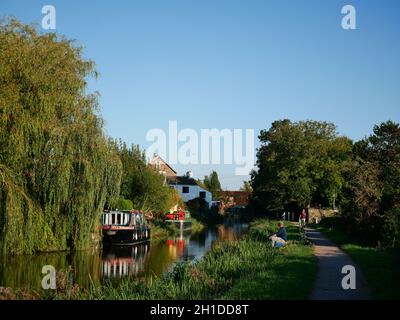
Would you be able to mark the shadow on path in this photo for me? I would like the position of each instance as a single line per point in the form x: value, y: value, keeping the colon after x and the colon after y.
x: 331, y: 260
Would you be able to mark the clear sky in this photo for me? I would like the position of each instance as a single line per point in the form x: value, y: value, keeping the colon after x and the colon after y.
x: 233, y: 64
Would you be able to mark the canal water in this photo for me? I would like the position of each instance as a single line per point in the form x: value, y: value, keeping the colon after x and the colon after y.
x: 116, y: 263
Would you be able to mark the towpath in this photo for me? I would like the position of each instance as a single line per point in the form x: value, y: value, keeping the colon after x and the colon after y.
x: 331, y: 260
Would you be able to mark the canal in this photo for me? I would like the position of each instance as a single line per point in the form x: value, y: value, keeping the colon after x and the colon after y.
x: 116, y: 263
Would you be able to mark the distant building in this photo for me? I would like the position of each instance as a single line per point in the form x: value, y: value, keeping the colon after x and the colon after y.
x: 162, y: 167
x: 186, y: 185
x: 233, y: 201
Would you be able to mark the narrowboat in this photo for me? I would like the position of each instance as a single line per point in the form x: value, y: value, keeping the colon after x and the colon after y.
x: 181, y: 218
x: 124, y: 227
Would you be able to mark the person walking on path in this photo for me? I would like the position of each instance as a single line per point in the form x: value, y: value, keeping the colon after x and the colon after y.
x: 303, y: 217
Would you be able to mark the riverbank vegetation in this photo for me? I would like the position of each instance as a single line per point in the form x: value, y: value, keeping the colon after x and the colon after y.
x: 306, y: 163
x: 203, y: 214
x: 248, y: 268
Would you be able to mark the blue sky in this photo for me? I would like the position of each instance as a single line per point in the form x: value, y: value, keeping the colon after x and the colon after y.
x: 233, y: 64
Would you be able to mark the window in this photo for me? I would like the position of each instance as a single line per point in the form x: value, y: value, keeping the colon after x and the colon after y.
x: 202, y: 194
x: 185, y: 189
x: 115, y: 218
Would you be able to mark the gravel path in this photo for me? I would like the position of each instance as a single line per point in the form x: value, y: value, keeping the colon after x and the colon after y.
x: 331, y: 260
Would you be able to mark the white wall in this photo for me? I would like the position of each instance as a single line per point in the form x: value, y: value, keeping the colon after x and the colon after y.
x: 194, y: 192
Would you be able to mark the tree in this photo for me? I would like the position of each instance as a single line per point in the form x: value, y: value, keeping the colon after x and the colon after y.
x: 373, y: 186
x: 57, y: 169
x: 298, y: 163
x: 141, y: 184
x: 213, y: 185
x: 246, y: 187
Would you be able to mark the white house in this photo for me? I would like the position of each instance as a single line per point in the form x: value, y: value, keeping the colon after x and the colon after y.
x: 186, y: 185
x: 189, y: 189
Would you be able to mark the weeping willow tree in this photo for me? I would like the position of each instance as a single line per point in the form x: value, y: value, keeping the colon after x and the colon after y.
x: 57, y: 168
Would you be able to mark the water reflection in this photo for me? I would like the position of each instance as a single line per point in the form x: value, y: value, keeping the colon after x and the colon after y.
x: 115, y: 263
x: 121, y: 261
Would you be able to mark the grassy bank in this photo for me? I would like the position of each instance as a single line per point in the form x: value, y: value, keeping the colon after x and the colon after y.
x: 197, y: 226
x: 248, y: 268
x: 380, y: 266
x: 288, y: 274
x: 161, y: 230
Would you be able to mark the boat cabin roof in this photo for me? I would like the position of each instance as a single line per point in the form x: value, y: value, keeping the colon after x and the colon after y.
x: 124, y: 211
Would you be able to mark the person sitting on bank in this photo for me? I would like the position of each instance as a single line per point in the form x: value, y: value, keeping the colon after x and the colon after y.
x: 279, y: 239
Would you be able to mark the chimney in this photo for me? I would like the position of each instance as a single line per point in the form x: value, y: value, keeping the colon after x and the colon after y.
x: 189, y: 174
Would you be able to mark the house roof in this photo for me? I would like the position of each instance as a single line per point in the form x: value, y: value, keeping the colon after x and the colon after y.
x: 181, y: 180
x: 156, y: 158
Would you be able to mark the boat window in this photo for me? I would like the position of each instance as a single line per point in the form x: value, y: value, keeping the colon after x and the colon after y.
x: 105, y: 218
x: 116, y: 218
x: 126, y: 218
x: 139, y: 219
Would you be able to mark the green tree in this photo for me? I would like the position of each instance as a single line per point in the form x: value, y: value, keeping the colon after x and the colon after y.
x: 213, y: 185
x: 141, y: 184
x: 298, y: 163
x: 57, y: 169
x: 373, y: 186
x: 246, y: 187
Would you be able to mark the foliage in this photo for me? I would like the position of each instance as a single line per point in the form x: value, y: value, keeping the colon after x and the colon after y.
x: 161, y: 230
x: 246, y: 187
x: 57, y: 169
x: 212, y: 184
x: 201, y: 211
x: 373, y: 191
x: 142, y: 185
x: 124, y: 204
x: 298, y: 163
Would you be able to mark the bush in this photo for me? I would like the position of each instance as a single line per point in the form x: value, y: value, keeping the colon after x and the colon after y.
x: 124, y: 204
x: 198, y: 204
x: 200, y: 210
x: 391, y: 229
